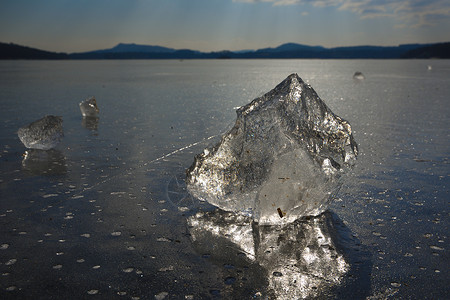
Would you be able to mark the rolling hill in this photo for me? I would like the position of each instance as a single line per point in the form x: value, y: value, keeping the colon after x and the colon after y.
x: 286, y: 51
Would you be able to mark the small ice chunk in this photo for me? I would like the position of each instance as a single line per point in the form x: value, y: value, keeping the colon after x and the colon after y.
x: 42, y: 134
x: 282, y: 160
x: 359, y: 76
x: 89, y: 107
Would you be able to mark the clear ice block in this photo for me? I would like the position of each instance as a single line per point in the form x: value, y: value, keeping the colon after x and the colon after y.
x: 89, y: 107
x: 42, y: 134
x: 282, y: 160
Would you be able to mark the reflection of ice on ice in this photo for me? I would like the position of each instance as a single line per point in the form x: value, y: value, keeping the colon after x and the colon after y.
x: 42, y: 134
x: 177, y: 195
x: 301, y: 259
x: 90, y: 123
x: 50, y: 162
x: 282, y: 160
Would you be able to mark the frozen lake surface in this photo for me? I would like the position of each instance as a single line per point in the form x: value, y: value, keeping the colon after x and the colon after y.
x: 105, y: 214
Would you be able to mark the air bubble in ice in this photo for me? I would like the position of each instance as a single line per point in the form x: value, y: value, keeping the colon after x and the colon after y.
x: 277, y: 274
x: 163, y: 239
x: 161, y: 296
x: 127, y: 270
x: 50, y: 195
x: 165, y: 269
x: 229, y: 280
x: 10, y: 262
x: 436, y: 248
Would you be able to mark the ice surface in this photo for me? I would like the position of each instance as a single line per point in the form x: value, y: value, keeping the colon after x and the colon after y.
x: 282, y: 159
x: 89, y: 107
x: 42, y: 134
x: 359, y: 76
x: 50, y: 162
x: 299, y: 260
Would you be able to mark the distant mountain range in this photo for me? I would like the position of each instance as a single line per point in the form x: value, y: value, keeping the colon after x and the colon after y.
x: 289, y: 50
x: 12, y: 51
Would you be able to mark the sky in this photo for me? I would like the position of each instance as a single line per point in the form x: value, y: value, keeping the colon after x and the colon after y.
x: 214, y: 25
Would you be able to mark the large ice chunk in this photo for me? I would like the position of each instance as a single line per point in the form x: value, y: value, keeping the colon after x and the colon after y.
x: 42, y: 134
x: 282, y: 159
x: 89, y: 107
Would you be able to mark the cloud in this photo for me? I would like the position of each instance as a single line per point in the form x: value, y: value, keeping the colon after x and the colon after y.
x: 286, y: 2
x: 253, y: 1
x: 407, y: 13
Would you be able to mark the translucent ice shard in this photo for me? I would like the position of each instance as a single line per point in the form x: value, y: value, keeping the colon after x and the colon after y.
x: 42, y: 134
x: 89, y: 107
x: 358, y: 76
x: 282, y: 159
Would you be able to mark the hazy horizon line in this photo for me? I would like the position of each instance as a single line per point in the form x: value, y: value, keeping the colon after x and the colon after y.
x: 222, y: 50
